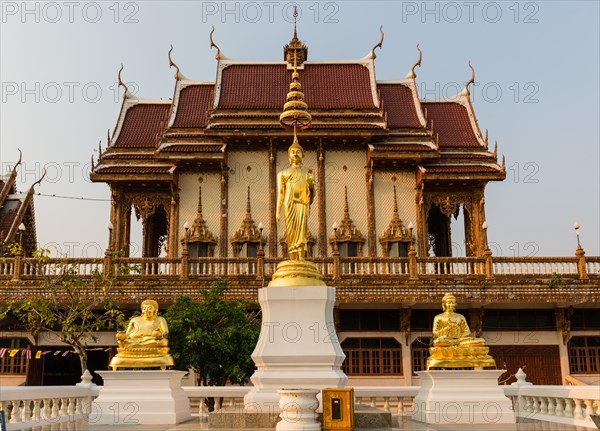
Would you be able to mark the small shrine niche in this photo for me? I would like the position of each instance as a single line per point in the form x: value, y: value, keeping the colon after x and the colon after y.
x: 396, y: 238
x: 247, y: 241
x: 347, y: 239
x: 199, y: 239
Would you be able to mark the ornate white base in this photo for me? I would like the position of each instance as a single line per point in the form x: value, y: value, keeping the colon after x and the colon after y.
x: 140, y: 397
x: 462, y: 397
x: 298, y: 410
x: 298, y: 347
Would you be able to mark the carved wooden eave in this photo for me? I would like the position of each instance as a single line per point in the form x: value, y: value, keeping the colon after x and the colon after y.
x: 199, y: 232
x: 347, y: 231
x: 395, y: 232
x: 146, y: 204
x: 248, y: 231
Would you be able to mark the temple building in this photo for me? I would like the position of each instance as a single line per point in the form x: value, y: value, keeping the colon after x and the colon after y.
x: 395, y: 175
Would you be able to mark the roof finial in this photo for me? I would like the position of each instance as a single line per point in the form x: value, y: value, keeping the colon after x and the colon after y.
x: 172, y: 64
x: 472, y: 80
x: 379, y: 44
x: 395, y: 201
x: 295, y: 17
x: 40, y: 180
x: 295, y: 46
x: 486, y: 136
x: 20, y: 158
x: 495, y: 148
x: 214, y: 45
x: 108, y: 137
x: 99, y: 148
x: 503, y: 162
x: 121, y: 83
x: 418, y: 63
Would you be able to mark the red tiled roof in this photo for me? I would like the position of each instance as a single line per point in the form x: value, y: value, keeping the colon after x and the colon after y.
x: 451, y: 121
x: 134, y: 170
x: 142, y: 124
x: 399, y: 104
x: 194, y: 102
x: 121, y: 156
x: 7, y: 216
x: 192, y: 149
x: 325, y: 86
x: 460, y: 169
x: 401, y: 147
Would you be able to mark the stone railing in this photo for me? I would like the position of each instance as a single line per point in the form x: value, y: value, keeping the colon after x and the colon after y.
x: 393, y: 399
x: 26, y: 407
x: 335, y: 267
x: 570, y: 405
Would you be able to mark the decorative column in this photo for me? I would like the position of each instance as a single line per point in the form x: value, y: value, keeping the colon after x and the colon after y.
x: 422, y: 231
x: 321, y: 200
x: 223, y: 231
x: 174, y: 223
x: 272, y: 200
x: 371, y: 235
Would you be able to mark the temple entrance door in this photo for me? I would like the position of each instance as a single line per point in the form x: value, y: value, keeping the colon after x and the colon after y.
x: 438, y: 227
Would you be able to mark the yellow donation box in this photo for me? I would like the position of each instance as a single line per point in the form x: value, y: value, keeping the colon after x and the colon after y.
x: 338, y: 409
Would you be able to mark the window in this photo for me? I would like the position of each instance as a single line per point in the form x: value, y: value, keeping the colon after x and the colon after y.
x: 370, y: 320
x: 585, y: 318
x: 198, y: 249
x: 372, y: 356
x: 420, y: 352
x: 584, y: 355
x: 519, y: 319
x: 398, y: 249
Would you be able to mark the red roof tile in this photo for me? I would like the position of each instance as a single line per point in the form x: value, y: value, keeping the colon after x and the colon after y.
x: 451, y: 121
x: 460, y: 169
x: 142, y: 124
x: 401, y: 147
x: 192, y: 149
x: 399, y: 104
x: 194, y: 102
x: 119, y: 156
x: 325, y: 86
x: 8, y: 213
x: 134, y: 170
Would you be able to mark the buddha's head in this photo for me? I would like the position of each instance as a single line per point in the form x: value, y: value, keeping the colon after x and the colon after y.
x: 149, y: 308
x: 449, y: 302
x: 295, y: 152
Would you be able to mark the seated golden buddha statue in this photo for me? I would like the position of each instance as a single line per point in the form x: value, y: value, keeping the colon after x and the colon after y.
x: 453, y: 346
x: 144, y: 344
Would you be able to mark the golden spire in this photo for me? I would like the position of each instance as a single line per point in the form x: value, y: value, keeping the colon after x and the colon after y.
x: 295, y: 46
x: 295, y: 111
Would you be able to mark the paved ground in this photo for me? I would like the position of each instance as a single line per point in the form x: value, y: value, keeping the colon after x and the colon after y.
x: 403, y: 425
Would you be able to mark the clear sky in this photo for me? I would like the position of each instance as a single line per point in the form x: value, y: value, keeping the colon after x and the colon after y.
x: 537, y: 70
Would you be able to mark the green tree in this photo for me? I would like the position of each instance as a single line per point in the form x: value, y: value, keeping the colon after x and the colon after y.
x: 214, y: 337
x: 71, y: 307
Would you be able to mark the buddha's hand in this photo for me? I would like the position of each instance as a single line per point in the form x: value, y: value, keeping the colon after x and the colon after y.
x: 157, y: 334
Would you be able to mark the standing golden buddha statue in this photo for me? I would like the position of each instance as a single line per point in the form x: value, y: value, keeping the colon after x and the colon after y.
x: 453, y: 346
x: 295, y: 194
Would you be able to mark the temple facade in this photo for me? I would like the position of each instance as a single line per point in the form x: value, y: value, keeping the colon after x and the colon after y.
x: 398, y: 219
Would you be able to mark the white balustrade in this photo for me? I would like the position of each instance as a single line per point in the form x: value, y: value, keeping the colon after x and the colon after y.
x: 33, y: 406
x: 571, y: 405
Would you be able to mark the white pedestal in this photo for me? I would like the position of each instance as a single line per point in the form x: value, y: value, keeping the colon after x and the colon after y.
x: 297, y: 348
x: 298, y: 410
x: 140, y: 397
x: 462, y: 397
